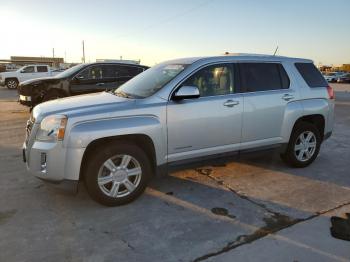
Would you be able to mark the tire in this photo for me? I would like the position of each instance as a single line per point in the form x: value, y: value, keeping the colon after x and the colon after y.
x: 106, y: 174
x: 11, y: 83
x: 308, y: 150
x: 52, y: 95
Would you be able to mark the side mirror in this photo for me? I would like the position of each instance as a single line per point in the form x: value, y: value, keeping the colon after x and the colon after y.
x: 186, y: 92
x: 77, y: 79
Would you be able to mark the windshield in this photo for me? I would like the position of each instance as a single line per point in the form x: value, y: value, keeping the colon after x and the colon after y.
x: 19, y: 70
x: 150, y: 81
x: 70, y: 71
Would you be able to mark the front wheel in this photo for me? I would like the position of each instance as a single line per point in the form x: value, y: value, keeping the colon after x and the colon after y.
x: 304, y: 145
x: 11, y: 83
x: 117, y: 174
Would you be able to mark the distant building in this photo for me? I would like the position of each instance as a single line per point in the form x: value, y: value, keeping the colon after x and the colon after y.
x: 345, y: 67
x: 25, y: 60
x: 338, y: 68
x: 325, y: 68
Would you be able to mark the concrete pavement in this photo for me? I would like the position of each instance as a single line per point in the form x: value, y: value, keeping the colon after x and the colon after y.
x: 252, y: 209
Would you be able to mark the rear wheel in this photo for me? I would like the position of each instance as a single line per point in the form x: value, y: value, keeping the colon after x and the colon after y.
x: 117, y: 174
x: 12, y: 83
x: 304, y: 145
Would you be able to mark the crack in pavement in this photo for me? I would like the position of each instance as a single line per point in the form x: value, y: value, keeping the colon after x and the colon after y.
x: 274, y: 224
x: 128, y: 244
x: 207, y: 172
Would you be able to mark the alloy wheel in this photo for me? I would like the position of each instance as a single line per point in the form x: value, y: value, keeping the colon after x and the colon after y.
x: 119, y: 176
x: 12, y: 84
x: 305, y: 146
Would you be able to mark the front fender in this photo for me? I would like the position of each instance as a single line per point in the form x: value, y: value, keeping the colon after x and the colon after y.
x: 83, y: 133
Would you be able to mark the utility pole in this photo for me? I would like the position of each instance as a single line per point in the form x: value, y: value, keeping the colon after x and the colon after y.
x: 53, y: 52
x: 83, y: 52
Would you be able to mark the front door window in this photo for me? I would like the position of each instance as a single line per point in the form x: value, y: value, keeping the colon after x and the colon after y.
x: 213, y: 80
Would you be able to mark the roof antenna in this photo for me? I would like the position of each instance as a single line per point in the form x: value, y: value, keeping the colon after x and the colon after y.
x: 274, y: 54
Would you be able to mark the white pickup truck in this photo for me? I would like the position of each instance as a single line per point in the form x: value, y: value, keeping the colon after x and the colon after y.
x: 12, y: 79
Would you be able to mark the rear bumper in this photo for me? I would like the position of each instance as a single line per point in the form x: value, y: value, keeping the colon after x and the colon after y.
x: 327, y: 135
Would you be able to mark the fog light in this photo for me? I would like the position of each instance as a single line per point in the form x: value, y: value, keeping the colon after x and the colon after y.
x: 43, y: 163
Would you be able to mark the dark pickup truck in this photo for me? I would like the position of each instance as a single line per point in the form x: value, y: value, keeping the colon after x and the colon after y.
x: 80, y: 79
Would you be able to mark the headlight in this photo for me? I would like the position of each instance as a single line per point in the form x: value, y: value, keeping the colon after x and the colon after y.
x: 52, y: 128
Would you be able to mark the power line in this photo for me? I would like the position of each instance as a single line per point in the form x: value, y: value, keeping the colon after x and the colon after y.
x: 171, y: 18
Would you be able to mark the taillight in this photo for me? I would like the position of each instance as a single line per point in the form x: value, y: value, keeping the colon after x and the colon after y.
x: 330, y: 92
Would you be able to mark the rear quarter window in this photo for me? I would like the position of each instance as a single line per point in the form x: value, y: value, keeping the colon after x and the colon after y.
x: 311, y: 75
x: 41, y: 69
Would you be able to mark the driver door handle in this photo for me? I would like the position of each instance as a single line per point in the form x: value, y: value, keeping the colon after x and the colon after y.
x: 100, y: 84
x: 231, y: 103
x: 287, y: 97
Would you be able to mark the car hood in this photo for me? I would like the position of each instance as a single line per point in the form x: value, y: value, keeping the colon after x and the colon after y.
x: 39, y: 80
x: 81, y: 105
x: 8, y: 73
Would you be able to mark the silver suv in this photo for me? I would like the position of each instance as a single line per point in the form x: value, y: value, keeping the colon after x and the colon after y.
x: 177, y: 112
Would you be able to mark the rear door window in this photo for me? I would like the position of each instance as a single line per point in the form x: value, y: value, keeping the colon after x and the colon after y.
x: 257, y: 77
x: 126, y: 71
x: 311, y: 75
x: 134, y: 70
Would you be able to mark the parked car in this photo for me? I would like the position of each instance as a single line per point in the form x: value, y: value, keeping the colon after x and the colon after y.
x: 80, y: 79
x: 58, y: 70
x: 2, y: 68
x: 332, y: 77
x: 179, y: 112
x: 13, y: 78
x: 344, y: 79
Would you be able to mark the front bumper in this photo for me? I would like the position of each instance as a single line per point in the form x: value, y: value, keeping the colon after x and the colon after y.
x: 52, y: 162
x: 25, y: 100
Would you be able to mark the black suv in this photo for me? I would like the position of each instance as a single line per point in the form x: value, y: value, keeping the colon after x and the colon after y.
x: 80, y: 79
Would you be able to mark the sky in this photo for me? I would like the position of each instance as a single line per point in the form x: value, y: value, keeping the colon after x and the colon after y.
x: 158, y: 30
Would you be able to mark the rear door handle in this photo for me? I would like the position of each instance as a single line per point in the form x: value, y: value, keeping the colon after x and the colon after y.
x: 287, y: 97
x: 100, y: 84
x: 231, y: 103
